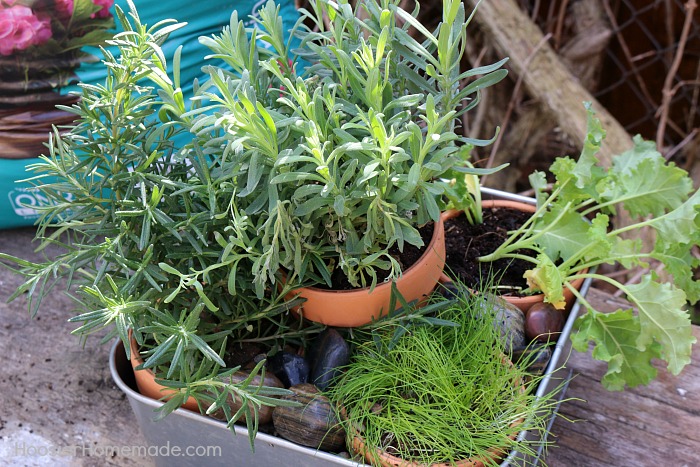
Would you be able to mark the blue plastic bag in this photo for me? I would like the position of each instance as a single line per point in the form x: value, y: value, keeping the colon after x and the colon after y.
x: 17, y: 199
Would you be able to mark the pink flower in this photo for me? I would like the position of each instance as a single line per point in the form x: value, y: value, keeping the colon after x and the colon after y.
x: 64, y: 9
x: 20, y: 29
x: 104, y: 12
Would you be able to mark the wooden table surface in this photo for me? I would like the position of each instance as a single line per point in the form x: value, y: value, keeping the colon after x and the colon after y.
x: 656, y: 425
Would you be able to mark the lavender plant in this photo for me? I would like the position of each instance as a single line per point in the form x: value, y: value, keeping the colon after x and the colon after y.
x: 342, y: 162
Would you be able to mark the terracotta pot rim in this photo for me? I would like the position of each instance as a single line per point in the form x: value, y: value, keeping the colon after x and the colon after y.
x: 389, y: 460
x: 146, y: 378
x: 493, y: 203
x: 439, y: 224
x: 357, y: 307
x: 135, y: 356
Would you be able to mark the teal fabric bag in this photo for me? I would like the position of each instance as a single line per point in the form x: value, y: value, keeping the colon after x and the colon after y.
x: 17, y: 199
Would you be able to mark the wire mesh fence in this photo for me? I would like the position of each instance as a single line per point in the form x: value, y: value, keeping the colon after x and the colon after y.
x: 646, y: 39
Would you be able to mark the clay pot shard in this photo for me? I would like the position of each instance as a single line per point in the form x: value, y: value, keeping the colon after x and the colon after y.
x: 313, y: 423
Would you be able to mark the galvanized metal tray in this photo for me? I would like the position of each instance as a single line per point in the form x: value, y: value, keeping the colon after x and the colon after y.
x: 185, y: 438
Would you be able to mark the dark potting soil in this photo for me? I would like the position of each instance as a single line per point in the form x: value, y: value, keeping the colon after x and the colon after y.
x: 465, y: 243
x: 406, y: 258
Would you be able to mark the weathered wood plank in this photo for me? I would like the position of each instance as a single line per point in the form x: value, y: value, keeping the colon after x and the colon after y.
x: 546, y: 78
x: 654, y: 425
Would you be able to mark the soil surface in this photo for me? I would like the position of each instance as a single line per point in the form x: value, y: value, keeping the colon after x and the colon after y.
x: 465, y: 243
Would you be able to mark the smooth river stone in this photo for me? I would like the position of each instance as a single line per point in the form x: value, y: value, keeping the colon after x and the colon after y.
x: 290, y: 368
x: 509, y: 320
x: 265, y: 411
x: 327, y: 355
x: 313, y: 423
x: 543, y: 322
x: 535, y: 358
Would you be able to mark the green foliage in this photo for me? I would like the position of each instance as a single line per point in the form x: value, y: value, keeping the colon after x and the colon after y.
x: 179, y: 219
x: 616, y: 335
x: 659, y: 196
x: 463, y: 191
x: 432, y: 393
x: 82, y: 29
x: 151, y: 238
x: 343, y: 162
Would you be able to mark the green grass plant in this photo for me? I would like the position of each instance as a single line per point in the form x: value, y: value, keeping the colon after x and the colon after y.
x: 440, y: 393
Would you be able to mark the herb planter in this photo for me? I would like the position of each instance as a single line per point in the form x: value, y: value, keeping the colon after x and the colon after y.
x: 572, y: 233
x: 185, y: 428
x: 385, y: 458
x: 39, y: 54
x: 351, y: 308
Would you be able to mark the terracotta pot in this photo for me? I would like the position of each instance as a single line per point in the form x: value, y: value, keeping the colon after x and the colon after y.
x: 146, y: 380
x: 385, y: 459
x: 526, y: 301
x: 146, y: 383
x: 352, y: 308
